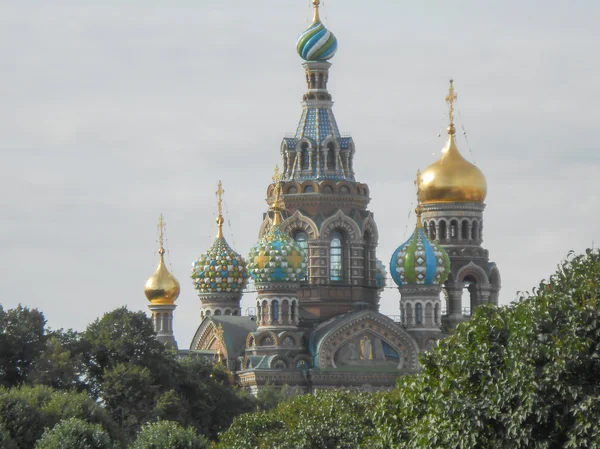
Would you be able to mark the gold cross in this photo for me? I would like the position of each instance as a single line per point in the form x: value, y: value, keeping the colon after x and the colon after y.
x: 219, y: 194
x: 278, y: 204
x: 419, y: 209
x: 295, y: 259
x: 161, y: 230
x: 261, y: 260
x: 450, y: 99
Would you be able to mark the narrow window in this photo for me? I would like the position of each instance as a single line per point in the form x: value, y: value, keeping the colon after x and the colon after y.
x: 275, y: 306
x: 305, y: 158
x: 336, y: 267
x: 418, y: 313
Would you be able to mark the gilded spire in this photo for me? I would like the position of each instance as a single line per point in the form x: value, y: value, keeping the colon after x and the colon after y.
x: 220, y: 220
x: 450, y: 99
x: 316, y: 17
x: 419, y: 208
x: 277, y: 205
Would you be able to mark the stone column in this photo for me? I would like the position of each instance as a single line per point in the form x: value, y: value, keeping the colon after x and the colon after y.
x: 454, y: 307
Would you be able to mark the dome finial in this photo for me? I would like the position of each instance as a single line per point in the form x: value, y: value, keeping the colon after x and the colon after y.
x: 277, y: 205
x: 419, y: 208
x: 220, y: 220
x: 316, y: 17
x: 450, y: 99
x: 161, y: 234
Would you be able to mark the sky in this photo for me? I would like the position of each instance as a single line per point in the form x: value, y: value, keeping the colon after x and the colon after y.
x: 113, y: 112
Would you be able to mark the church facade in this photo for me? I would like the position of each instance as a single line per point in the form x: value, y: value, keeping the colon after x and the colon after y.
x: 317, y: 277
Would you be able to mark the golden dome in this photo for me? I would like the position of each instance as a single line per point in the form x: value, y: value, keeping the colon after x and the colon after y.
x: 452, y: 178
x: 162, y: 287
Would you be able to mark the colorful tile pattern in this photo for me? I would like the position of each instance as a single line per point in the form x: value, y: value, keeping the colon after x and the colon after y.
x: 380, y: 274
x: 277, y: 258
x: 220, y: 269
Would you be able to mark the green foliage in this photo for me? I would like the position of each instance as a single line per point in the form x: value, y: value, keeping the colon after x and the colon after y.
x: 321, y: 421
x: 207, y: 398
x: 74, y: 433
x: 270, y: 396
x: 168, y: 435
x: 129, y: 395
x: 6, y: 441
x: 124, y: 337
x: 22, y: 339
x: 522, y: 376
x: 26, y: 411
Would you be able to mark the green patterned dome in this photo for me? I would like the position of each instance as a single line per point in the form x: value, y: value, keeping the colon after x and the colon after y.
x: 419, y: 261
x: 220, y: 270
x: 277, y: 258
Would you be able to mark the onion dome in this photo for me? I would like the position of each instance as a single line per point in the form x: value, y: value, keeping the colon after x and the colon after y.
x: 452, y: 178
x: 162, y: 287
x: 220, y: 269
x: 317, y: 43
x: 277, y: 257
x: 380, y: 274
x: 419, y: 261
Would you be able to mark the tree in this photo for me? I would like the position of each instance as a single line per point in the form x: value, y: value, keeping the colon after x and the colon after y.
x: 168, y: 435
x: 129, y: 394
x: 26, y: 411
x: 75, y: 433
x: 326, y: 420
x: 22, y: 339
x: 123, y: 336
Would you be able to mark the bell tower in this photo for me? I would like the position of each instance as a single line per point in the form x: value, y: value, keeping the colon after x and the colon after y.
x: 326, y: 207
x: 453, y: 192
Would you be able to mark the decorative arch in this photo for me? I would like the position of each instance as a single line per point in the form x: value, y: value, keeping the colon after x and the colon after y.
x: 472, y: 270
x: 343, y: 222
x: 250, y: 341
x: 367, y: 323
x: 284, y: 335
x: 370, y: 226
x: 300, y: 221
x: 266, y: 334
x: 341, y: 184
x: 291, y: 188
x: 494, y: 277
x: 310, y: 184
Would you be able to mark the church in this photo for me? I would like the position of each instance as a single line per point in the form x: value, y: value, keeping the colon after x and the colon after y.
x: 315, y: 269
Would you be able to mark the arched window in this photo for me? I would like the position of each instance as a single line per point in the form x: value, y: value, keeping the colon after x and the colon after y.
x: 465, y: 230
x: 336, y: 257
x: 305, y: 158
x: 474, y: 230
x: 309, y: 189
x: 366, y: 259
x: 275, y: 307
x: 432, y: 235
x: 218, y: 312
x: 294, y: 312
x: 302, y: 239
x: 443, y: 230
x: 331, y: 158
x: 418, y: 313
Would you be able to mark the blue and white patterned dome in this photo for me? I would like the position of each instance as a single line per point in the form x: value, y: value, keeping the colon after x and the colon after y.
x: 220, y: 270
x: 418, y: 261
x: 277, y: 258
x: 317, y: 43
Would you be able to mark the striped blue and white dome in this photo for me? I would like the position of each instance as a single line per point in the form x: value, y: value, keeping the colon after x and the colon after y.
x: 317, y: 43
x: 419, y: 261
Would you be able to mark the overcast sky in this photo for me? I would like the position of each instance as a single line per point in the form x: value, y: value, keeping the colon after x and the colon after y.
x: 114, y: 111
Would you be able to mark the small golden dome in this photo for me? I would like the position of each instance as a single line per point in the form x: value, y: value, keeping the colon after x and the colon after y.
x: 452, y: 178
x: 162, y: 287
